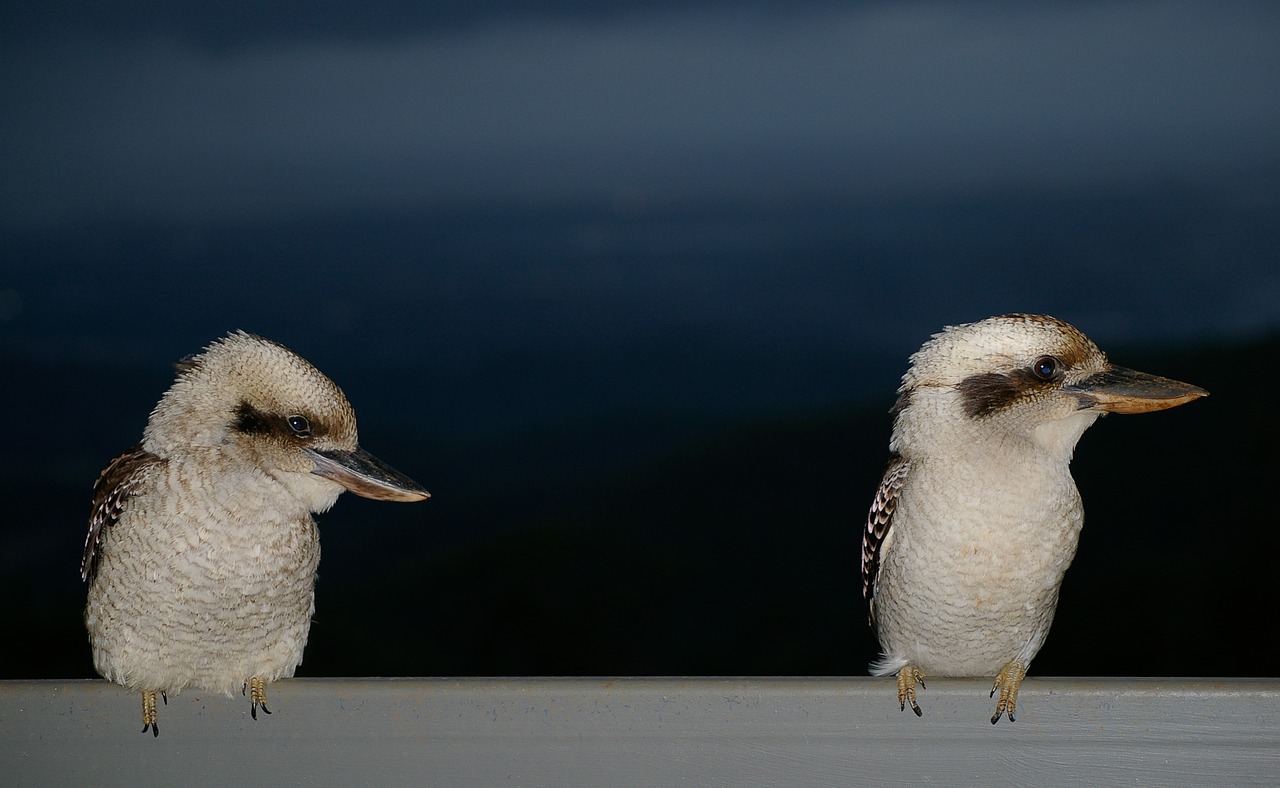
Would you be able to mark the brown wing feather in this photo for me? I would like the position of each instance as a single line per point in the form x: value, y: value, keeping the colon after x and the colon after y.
x: 879, y: 521
x: 118, y: 481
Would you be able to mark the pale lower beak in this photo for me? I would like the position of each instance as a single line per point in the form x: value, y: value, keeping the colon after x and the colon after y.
x: 1121, y: 390
x: 366, y: 475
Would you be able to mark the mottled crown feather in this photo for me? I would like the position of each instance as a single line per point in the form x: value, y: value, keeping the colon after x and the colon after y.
x: 239, y: 371
x: 1004, y: 341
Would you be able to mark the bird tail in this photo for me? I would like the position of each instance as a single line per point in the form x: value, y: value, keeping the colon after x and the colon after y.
x: 887, y: 665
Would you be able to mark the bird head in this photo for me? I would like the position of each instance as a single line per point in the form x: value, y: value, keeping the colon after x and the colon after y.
x: 1020, y: 377
x: 248, y: 399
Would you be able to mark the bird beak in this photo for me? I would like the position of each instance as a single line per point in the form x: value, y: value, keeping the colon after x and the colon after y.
x: 366, y: 475
x: 1121, y: 390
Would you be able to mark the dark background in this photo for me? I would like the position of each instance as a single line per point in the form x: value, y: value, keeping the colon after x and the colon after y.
x: 629, y: 288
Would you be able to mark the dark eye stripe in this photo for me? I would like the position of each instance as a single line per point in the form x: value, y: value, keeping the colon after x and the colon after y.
x: 251, y: 421
x: 988, y: 392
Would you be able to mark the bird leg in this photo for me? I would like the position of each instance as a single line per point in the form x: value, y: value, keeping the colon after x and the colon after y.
x: 149, y: 713
x: 1007, y: 683
x: 258, y: 696
x: 908, y: 677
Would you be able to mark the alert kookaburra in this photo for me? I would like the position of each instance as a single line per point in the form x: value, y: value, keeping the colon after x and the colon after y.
x: 202, y: 552
x: 977, y: 517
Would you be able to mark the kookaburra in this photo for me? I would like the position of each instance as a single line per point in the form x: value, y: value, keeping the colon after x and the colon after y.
x: 202, y: 552
x: 977, y: 517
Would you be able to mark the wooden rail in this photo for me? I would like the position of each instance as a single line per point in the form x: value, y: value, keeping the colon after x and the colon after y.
x: 650, y: 732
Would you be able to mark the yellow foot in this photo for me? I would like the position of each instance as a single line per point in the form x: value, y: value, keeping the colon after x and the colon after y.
x: 1007, y: 684
x: 258, y: 696
x: 908, y: 678
x: 149, y: 712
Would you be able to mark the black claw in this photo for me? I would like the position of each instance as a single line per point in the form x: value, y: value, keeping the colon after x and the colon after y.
x: 155, y: 728
x: 165, y: 696
x: 995, y: 719
x: 265, y: 710
x: 916, y: 709
x: 253, y: 712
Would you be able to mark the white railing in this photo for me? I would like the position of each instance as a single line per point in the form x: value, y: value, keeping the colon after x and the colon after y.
x: 651, y: 732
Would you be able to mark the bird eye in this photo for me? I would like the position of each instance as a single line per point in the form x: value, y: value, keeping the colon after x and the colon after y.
x: 300, y: 426
x: 1045, y: 368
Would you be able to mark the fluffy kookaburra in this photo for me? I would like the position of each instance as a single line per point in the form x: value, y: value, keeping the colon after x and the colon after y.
x: 202, y: 552
x: 977, y: 517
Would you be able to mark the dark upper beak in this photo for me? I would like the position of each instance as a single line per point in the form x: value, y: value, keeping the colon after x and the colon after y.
x: 1121, y: 390
x: 366, y: 475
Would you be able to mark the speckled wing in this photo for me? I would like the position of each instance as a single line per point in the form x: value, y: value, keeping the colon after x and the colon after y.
x: 879, y: 521
x: 118, y: 481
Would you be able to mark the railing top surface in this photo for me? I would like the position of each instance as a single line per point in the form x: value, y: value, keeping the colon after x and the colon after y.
x: 650, y: 731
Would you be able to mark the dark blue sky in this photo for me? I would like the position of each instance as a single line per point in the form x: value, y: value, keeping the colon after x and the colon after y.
x: 201, y: 115
x: 491, y: 175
